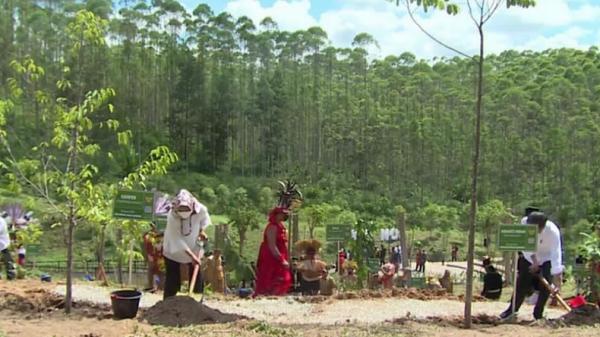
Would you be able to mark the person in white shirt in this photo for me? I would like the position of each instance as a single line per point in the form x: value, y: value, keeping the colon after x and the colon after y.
x: 545, y: 262
x: 186, y: 223
x: 9, y: 266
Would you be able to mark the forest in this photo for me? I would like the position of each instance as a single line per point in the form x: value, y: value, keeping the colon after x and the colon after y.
x: 244, y: 103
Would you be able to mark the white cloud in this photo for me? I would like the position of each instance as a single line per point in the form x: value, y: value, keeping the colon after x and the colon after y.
x: 552, y: 23
x: 570, y: 39
x: 289, y: 15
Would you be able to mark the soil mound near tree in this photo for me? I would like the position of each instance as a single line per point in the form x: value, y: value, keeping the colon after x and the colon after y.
x: 181, y: 311
x: 588, y: 314
x: 38, y: 301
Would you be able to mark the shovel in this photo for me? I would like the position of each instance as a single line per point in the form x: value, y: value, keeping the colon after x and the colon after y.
x: 196, y: 270
x: 556, y: 295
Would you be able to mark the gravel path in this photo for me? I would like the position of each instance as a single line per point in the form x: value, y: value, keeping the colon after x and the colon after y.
x: 287, y: 310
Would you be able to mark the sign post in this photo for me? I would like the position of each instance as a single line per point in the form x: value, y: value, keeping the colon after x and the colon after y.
x: 338, y: 233
x: 515, y: 238
x: 134, y: 205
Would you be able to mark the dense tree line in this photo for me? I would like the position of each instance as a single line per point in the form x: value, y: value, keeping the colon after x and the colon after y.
x: 248, y: 99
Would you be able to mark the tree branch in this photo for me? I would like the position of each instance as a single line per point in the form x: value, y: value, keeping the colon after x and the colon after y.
x: 41, y: 191
x: 491, y: 12
x: 471, y: 11
x: 412, y: 17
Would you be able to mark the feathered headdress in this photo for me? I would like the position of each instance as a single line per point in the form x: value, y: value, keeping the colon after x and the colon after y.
x: 16, y: 216
x: 289, y: 195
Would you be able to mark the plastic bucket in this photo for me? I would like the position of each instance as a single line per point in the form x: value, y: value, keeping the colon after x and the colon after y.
x: 125, y: 303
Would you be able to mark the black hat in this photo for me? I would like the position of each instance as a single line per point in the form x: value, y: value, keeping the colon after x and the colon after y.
x: 531, y: 209
x: 537, y: 218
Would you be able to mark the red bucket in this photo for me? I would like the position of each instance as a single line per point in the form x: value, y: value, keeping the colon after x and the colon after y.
x: 577, y: 302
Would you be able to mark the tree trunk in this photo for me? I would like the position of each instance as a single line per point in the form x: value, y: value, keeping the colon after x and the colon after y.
x: 475, y: 173
x: 119, y: 258
x: 70, y: 230
x: 100, y: 271
x: 401, y: 222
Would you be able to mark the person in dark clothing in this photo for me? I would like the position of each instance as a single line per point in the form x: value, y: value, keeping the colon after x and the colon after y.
x: 492, y: 282
x: 545, y: 262
x: 382, y: 253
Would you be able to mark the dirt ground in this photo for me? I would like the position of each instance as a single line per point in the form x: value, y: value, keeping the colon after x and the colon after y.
x: 39, y: 314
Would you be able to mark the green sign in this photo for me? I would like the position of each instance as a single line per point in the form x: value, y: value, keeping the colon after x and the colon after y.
x: 517, y: 237
x: 134, y: 205
x: 417, y: 282
x: 337, y: 232
x: 161, y: 222
x: 33, y: 249
x: 373, y: 264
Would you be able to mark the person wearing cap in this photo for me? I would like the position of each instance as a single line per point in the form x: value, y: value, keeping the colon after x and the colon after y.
x: 273, y: 275
x: 492, y: 281
x: 9, y: 266
x: 545, y: 262
x: 186, y: 222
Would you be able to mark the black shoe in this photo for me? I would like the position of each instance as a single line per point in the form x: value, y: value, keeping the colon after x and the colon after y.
x: 508, y: 315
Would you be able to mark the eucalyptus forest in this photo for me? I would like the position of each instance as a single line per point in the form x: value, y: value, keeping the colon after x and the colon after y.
x: 243, y: 99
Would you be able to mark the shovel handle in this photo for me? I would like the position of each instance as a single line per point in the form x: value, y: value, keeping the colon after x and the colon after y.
x: 556, y: 295
x: 195, y: 272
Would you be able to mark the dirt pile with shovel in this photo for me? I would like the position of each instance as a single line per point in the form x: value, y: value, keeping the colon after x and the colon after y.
x: 181, y: 311
x: 588, y: 314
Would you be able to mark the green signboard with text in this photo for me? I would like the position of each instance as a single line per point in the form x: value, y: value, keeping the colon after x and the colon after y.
x: 134, y: 205
x: 337, y: 232
x: 373, y: 264
x: 517, y: 238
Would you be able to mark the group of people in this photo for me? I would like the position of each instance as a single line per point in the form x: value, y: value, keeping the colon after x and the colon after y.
x: 420, y: 260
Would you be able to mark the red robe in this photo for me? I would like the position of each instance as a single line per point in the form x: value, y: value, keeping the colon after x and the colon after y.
x: 272, y: 278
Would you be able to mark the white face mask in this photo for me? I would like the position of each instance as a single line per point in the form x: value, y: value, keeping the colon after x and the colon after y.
x: 185, y: 215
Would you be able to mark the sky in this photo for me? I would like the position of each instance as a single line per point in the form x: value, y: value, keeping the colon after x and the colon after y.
x: 551, y: 24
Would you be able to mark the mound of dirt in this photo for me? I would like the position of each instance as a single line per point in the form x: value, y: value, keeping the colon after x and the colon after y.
x: 39, y: 301
x: 588, y: 314
x: 181, y: 311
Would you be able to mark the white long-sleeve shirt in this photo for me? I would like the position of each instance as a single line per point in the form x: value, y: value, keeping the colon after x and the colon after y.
x: 181, y: 234
x: 4, y: 237
x: 549, y: 247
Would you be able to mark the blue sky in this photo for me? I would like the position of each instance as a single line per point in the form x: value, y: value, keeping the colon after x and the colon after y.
x: 551, y: 24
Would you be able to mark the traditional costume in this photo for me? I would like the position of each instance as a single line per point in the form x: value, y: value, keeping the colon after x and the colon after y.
x: 273, y: 274
x: 311, y: 268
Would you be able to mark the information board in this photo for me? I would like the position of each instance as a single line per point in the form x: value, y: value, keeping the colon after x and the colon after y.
x: 134, y: 205
x: 517, y: 238
x: 337, y: 232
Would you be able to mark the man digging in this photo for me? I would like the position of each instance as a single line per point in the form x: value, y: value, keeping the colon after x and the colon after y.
x: 545, y: 262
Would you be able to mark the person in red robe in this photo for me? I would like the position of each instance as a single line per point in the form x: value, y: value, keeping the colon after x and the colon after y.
x: 273, y: 275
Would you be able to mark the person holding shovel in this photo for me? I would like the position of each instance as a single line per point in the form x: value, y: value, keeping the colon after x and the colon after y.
x: 5, y: 253
x: 186, y: 223
x: 545, y: 262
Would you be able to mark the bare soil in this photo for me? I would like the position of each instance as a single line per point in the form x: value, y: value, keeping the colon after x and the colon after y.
x: 30, y: 308
x: 179, y: 311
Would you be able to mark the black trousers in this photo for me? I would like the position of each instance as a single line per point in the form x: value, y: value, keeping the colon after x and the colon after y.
x: 173, y: 278
x: 528, y: 282
x: 9, y: 265
x: 310, y: 287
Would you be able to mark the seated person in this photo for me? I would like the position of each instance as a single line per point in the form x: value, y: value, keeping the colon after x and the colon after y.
x: 446, y: 282
x: 492, y: 281
x: 311, y: 268
x: 386, y: 275
x: 327, y: 284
